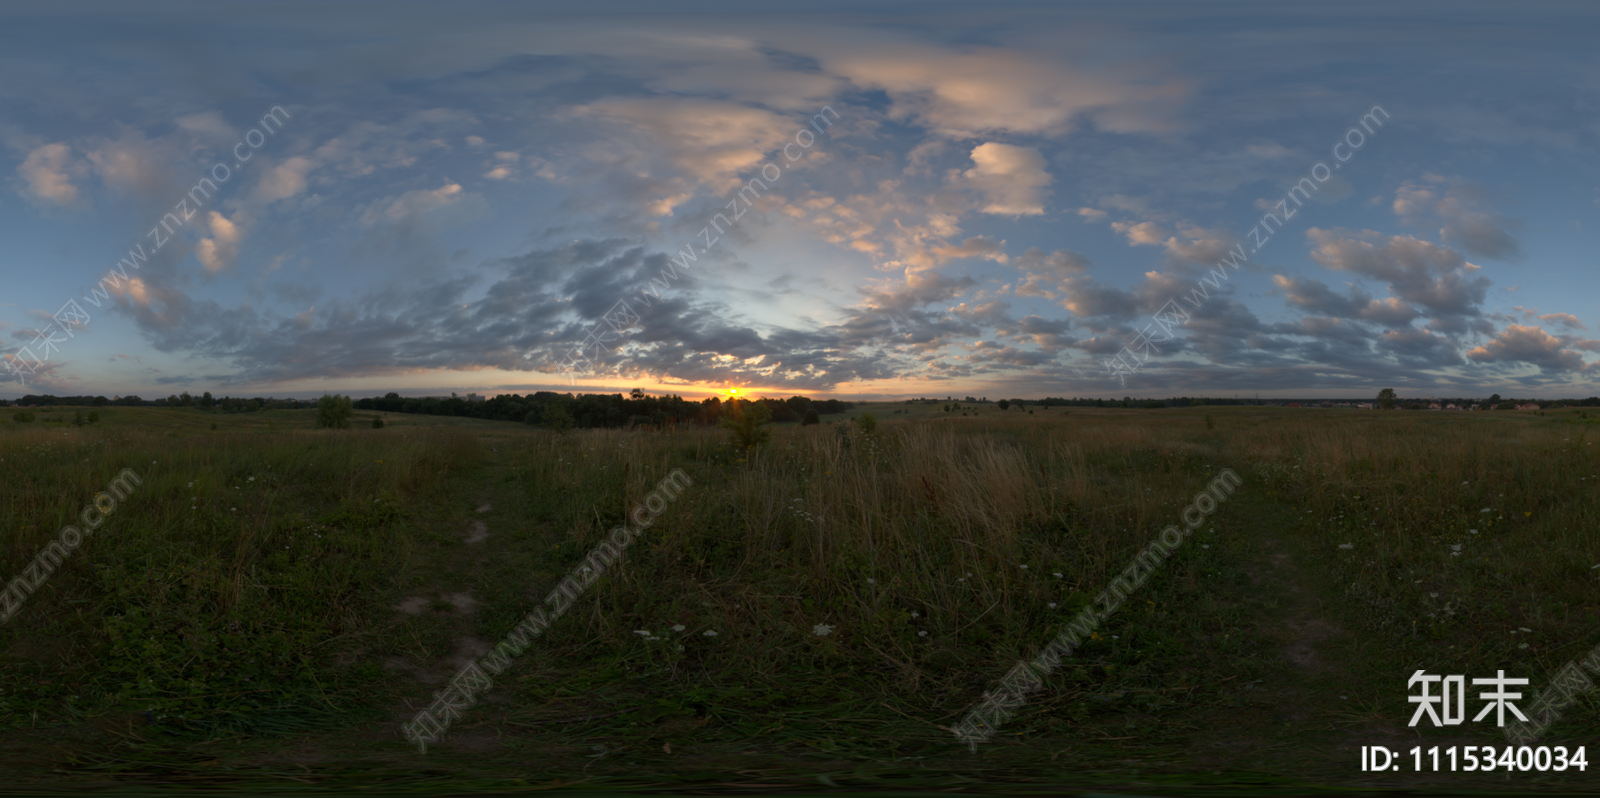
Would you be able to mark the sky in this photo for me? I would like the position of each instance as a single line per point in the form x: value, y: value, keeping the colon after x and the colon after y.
x: 855, y: 200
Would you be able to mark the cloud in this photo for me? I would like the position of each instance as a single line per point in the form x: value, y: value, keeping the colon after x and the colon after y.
x: 1193, y: 245
x: 1421, y: 273
x: 49, y: 171
x: 1524, y: 344
x: 975, y: 247
x: 1566, y: 320
x: 1199, y: 246
x: 1012, y: 179
x: 284, y: 180
x: 419, y: 202
x: 1421, y: 348
x: 1391, y: 312
x: 1314, y: 296
x: 975, y: 91
x: 543, y: 304
x: 136, y: 291
x: 1462, y: 211
x: 711, y: 143
x: 221, y: 250
x: 210, y: 124
x: 1141, y: 233
x: 137, y: 165
x: 1048, y: 276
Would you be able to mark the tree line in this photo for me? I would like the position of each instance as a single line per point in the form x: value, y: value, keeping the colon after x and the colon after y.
x: 561, y: 410
x: 566, y: 410
x: 226, y: 404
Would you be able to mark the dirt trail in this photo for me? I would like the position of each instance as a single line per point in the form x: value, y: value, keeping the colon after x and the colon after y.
x: 1280, y: 720
x: 447, y: 569
x: 1308, y: 715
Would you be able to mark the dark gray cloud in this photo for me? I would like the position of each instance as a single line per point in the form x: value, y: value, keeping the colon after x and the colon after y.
x: 1418, y: 272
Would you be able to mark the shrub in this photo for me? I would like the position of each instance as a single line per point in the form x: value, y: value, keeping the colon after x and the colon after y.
x: 22, y: 416
x: 811, y: 418
x: 334, y: 411
x: 377, y: 422
x: 745, y: 420
x: 1005, y: 404
x: 867, y: 421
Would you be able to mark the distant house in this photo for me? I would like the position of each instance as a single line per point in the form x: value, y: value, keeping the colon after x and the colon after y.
x: 1365, y: 405
x: 1294, y: 404
x: 1529, y: 406
x: 1433, y: 406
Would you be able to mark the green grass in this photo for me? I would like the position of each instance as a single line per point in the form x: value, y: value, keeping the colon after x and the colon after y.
x: 203, y: 597
x: 244, y: 595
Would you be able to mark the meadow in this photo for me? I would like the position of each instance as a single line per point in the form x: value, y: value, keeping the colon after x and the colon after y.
x: 271, y: 601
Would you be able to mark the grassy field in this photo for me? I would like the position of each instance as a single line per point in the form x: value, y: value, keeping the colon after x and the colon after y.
x: 272, y: 601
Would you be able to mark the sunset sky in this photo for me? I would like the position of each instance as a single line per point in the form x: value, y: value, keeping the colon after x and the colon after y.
x: 997, y: 199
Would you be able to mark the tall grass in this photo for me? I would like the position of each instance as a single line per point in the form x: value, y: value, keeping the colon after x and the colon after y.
x: 925, y: 527
x: 251, y: 558
x: 922, y: 546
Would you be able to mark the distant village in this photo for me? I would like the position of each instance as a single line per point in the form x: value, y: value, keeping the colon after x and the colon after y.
x: 1428, y: 404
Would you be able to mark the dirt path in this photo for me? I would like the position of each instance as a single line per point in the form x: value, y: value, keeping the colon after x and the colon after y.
x: 1328, y: 685
x: 450, y: 577
x: 1284, y: 717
